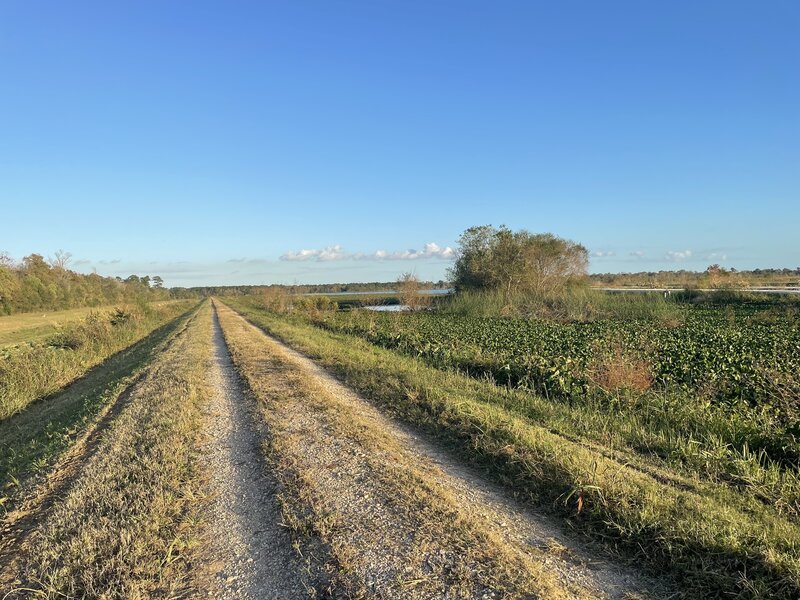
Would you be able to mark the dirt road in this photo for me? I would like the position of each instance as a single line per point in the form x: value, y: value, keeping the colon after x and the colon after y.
x: 251, y: 554
x: 236, y: 468
x: 398, y: 514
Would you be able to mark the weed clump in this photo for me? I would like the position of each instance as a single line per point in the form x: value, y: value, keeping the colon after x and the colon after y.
x: 616, y: 371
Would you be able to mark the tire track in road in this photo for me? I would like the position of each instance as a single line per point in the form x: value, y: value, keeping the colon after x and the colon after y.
x: 251, y: 553
x: 472, y: 496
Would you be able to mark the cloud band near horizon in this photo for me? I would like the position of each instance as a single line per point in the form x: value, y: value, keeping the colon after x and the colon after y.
x: 431, y: 250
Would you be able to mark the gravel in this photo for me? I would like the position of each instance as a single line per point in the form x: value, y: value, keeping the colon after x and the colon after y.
x: 251, y: 553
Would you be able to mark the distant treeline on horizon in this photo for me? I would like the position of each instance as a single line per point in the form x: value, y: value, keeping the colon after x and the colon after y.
x: 311, y: 288
x: 714, y: 276
x: 35, y: 284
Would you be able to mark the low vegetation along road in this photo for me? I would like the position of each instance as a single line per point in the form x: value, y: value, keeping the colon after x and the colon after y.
x: 234, y: 467
x: 211, y: 459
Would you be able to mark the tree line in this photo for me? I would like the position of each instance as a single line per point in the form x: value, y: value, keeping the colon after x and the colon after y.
x: 714, y: 276
x: 35, y: 283
x: 310, y: 288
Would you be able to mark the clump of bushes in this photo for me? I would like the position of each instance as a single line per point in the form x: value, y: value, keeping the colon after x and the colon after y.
x: 282, y: 302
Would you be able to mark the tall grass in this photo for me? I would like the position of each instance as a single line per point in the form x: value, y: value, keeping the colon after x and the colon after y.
x: 32, y: 371
x: 573, y: 304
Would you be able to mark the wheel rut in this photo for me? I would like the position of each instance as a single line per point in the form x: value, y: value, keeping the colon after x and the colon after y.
x: 251, y: 554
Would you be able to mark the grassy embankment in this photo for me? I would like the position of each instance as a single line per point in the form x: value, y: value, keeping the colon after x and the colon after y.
x: 38, y: 326
x: 29, y: 372
x: 713, y: 539
x: 33, y: 437
x: 129, y: 520
x: 32, y: 327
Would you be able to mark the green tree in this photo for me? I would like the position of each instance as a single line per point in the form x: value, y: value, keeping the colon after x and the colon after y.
x: 514, y: 262
x: 9, y: 290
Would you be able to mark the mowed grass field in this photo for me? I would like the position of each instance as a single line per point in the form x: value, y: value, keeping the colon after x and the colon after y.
x: 38, y: 326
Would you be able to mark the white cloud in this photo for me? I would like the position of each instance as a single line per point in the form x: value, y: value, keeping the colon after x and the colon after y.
x: 637, y: 253
x: 330, y: 253
x: 717, y: 256
x: 430, y: 250
x: 325, y: 254
x: 678, y: 255
x: 603, y: 253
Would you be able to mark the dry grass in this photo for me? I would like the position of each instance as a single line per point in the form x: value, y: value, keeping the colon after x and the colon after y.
x: 128, y: 521
x: 399, y: 531
x: 615, y: 371
x: 276, y: 299
x: 716, y: 540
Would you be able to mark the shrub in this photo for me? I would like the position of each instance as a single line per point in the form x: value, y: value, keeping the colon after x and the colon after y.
x: 408, y: 287
x: 614, y: 370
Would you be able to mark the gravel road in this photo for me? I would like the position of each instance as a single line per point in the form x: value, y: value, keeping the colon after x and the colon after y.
x: 517, y: 525
x: 251, y: 554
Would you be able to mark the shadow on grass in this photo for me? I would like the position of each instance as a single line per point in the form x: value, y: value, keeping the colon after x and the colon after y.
x: 33, y: 438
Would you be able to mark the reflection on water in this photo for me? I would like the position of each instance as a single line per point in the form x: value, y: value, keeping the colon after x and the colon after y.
x: 388, y: 307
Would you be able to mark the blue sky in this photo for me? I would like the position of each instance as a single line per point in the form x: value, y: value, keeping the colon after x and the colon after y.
x: 214, y: 142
